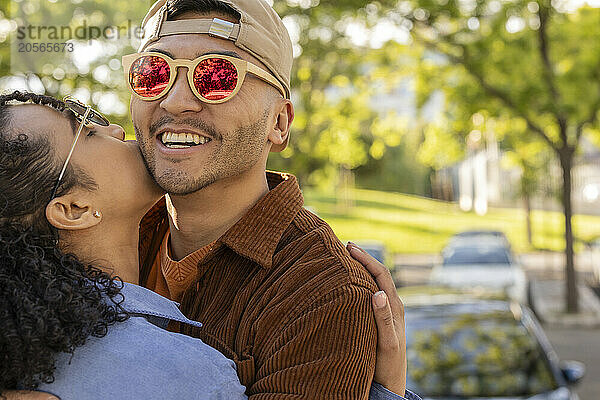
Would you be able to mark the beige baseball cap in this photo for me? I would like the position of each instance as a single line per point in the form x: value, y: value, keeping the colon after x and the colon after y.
x: 260, y: 32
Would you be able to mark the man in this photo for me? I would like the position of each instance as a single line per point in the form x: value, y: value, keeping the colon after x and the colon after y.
x: 275, y: 289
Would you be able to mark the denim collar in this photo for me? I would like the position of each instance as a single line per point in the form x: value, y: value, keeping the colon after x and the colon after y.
x: 141, y: 301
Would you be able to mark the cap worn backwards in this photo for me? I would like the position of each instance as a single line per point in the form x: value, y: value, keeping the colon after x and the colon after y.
x: 260, y: 32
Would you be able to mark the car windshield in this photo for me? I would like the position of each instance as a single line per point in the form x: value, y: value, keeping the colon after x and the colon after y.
x: 476, y: 256
x: 474, y: 355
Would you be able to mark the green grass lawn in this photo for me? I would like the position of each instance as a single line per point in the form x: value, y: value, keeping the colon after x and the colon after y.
x: 412, y: 224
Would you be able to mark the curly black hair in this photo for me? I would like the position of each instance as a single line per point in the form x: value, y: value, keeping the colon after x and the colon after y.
x: 50, y: 302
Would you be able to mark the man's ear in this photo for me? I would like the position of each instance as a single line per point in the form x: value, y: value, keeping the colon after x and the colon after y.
x: 279, y: 134
x: 67, y: 213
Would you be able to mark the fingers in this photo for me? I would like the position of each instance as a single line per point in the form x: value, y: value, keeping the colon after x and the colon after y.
x: 390, y: 368
x: 379, y: 271
x: 387, y: 340
x: 375, y: 267
x: 382, y: 276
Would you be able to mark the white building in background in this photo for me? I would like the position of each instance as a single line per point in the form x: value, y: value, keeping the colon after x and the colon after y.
x: 586, y: 180
x: 465, y: 185
x: 481, y: 182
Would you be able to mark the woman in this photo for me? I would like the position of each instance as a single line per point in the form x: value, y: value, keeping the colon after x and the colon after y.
x: 53, y: 302
x: 55, y: 176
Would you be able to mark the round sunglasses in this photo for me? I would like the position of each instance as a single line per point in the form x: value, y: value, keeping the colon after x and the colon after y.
x: 213, y: 78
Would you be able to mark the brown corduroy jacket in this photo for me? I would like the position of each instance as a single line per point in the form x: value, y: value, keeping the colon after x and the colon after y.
x: 279, y: 294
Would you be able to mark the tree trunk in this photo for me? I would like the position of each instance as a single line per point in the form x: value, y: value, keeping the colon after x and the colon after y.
x: 566, y: 163
x: 435, y: 192
x: 527, y: 200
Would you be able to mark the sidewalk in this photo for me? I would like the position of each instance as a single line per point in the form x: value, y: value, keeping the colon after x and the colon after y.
x: 548, y: 301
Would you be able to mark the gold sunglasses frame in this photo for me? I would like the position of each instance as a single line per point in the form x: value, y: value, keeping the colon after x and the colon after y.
x: 242, y: 67
x: 89, y: 115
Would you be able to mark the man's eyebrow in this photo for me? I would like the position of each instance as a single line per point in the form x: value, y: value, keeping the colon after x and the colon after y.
x: 221, y: 52
x: 161, y: 51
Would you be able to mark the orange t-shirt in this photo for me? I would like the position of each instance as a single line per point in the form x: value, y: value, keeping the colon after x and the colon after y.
x: 174, y: 276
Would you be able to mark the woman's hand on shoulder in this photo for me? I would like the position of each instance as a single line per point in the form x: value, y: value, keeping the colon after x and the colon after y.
x: 390, y: 368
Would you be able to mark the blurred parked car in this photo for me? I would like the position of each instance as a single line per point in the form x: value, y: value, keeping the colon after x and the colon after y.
x: 481, y: 264
x: 477, y: 349
x: 479, y: 235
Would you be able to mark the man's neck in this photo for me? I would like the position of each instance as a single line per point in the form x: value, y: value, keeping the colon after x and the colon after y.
x: 113, y: 247
x: 200, y: 218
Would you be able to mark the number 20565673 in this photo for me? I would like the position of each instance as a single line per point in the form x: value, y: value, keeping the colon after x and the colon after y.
x: 45, y: 47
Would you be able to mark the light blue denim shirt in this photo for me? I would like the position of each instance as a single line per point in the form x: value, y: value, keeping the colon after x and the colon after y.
x: 378, y: 392
x: 140, y: 359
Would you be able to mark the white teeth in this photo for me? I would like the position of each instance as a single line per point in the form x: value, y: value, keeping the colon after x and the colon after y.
x: 183, y: 138
x: 179, y: 137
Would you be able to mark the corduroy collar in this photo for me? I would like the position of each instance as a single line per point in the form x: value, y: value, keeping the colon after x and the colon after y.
x: 257, y: 234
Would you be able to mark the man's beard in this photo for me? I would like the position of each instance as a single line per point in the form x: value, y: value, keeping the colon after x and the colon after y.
x: 236, y: 152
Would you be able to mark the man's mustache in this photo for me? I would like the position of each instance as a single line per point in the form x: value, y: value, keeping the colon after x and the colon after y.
x: 198, y: 124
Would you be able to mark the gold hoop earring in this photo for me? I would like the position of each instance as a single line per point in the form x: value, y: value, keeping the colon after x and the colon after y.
x: 97, y: 214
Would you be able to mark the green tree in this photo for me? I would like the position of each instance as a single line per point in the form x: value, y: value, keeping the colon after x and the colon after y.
x: 532, y: 159
x: 334, y: 82
x: 523, y: 61
x: 93, y: 71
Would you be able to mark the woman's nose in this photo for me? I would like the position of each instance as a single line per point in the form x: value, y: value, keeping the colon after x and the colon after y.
x: 116, y: 131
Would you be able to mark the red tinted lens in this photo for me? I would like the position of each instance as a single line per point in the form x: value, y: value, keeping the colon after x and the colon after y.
x: 215, y: 78
x: 149, y: 76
